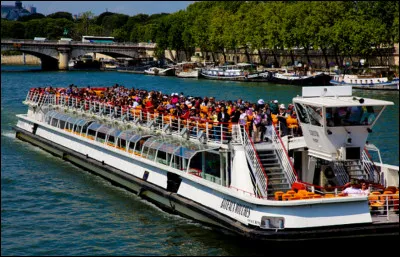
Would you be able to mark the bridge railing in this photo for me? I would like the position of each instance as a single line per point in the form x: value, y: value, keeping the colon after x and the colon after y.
x: 77, y: 43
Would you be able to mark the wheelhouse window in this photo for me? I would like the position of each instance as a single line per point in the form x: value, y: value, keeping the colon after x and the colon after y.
x: 315, y: 114
x: 302, y: 113
x: 351, y: 115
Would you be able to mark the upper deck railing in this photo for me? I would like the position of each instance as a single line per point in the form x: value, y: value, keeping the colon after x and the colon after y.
x: 194, y: 128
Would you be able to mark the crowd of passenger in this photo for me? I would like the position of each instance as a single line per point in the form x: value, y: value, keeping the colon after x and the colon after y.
x: 258, y: 117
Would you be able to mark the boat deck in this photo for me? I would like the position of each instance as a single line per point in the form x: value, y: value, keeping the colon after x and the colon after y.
x: 392, y: 218
x: 264, y: 146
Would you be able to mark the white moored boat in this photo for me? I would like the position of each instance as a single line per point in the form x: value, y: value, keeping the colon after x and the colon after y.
x: 365, y: 82
x: 223, y: 179
x: 187, y: 70
x: 160, y: 71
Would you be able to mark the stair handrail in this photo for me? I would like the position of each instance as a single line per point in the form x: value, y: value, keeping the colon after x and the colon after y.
x: 237, y: 136
x: 255, y: 164
x: 369, y: 166
x: 283, y: 155
x: 340, y: 172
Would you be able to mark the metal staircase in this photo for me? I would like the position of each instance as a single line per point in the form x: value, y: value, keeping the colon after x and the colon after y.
x: 269, y: 162
x: 355, y: 170
x: 277, y: 180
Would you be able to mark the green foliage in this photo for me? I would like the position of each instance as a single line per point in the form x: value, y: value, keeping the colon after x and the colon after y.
x: 10, y: 53
x: 31, y: 17
x: 99, y: 19
x: 111, y: 22
x: 346, y: 27
x: 12, y: 29
x: 61, y: 15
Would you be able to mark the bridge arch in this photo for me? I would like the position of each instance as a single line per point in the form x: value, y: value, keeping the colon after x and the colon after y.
x: 48, y: 62
x: 56, y: 54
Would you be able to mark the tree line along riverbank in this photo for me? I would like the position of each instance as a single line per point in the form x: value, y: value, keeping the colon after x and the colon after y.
x: 342, y: 29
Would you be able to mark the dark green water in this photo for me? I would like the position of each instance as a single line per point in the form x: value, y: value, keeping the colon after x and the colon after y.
x: 50, y: 207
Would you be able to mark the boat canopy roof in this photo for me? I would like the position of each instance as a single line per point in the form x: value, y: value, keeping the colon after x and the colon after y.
x: 133, y: 135
x: 67, y: 118
x: 335, y: 96
x: 340, y: 101
x: 182, y: 148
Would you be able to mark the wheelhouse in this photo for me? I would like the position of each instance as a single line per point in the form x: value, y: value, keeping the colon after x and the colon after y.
x: 334, y: 122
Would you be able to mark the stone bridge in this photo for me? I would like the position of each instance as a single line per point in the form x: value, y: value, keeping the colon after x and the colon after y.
x: 56, y: 54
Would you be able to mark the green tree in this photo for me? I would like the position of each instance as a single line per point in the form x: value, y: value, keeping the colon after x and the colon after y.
x: 12, y: 29
x: 33, y: 16
x: 112, y: 22
x: 61, y: 15
x: 99, y: 19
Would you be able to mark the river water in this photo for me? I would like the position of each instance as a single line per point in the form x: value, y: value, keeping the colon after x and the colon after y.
x: 51, y: 207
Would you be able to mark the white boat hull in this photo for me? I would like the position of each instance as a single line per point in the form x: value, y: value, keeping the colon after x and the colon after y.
x: 196, y: 198
x: 187, y: 74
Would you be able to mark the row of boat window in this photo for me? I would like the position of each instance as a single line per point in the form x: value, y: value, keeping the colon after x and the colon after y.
x: 162, y: 149
x: 366, y: 81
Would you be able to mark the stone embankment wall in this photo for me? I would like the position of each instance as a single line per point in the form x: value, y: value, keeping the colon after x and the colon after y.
x: 19, y: 60
x: 389, y: 56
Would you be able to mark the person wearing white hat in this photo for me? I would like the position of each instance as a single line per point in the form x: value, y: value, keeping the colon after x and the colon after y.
x: 282, y: 116
x: 274, y: 107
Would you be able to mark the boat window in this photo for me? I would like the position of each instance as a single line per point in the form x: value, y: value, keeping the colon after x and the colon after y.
x: 102, y: 133
x: 352, y: 116
x: 91, y: 130
x: 70, y: 123
x: 212, y: 168
x: 62, y: 120
x: 112, y: 134
x: 123, y: 137
x: 49, y: 115
x: 121, y: 143
x: 315, y: 114
x: 302, y: 114
x: 85, y: 126
x: 78, y: 125
x: 54, y: 122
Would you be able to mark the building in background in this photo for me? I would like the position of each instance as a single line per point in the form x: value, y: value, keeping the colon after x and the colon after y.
x: 31, y: 9
x: 13, y: 12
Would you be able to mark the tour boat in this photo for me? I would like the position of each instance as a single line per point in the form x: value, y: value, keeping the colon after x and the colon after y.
x: 365, y: 82
x: 315, y: 79
x: 288, y: 188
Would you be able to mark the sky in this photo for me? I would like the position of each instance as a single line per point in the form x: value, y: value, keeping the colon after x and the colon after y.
x: 130, y: 8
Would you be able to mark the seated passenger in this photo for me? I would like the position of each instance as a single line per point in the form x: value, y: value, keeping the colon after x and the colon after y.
x: 364, y: 189
x: 352, y: 190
